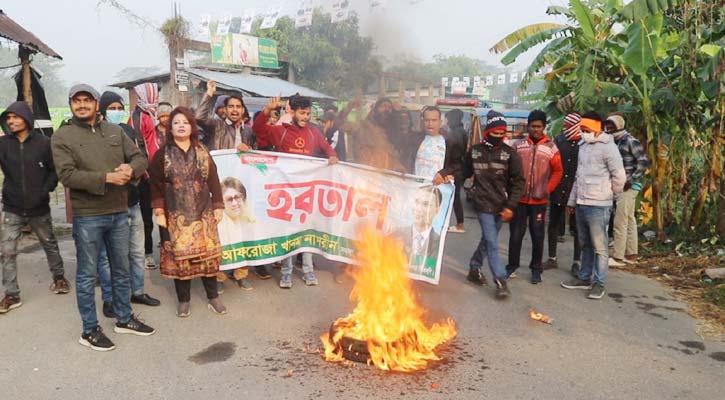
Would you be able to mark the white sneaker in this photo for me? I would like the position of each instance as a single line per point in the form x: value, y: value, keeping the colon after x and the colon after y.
x: 150, y: 262
x: 455, y: 229
x: 615, y: 263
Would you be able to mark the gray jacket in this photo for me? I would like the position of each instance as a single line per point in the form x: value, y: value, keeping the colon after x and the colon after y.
x: 222, y: 131
x: 600, y: 174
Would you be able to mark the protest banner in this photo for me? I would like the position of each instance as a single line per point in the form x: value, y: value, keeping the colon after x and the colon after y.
x: 278, y: 205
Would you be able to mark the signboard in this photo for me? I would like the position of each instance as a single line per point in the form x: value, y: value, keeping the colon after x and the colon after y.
x: 244, y: 50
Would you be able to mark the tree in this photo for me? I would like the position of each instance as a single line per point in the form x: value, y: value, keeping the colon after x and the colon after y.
x: 668, y: 57
x: 331, y: 58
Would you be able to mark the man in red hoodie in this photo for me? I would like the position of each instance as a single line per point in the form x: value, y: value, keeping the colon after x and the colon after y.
x: 298, y: 137
x: 543, y: 171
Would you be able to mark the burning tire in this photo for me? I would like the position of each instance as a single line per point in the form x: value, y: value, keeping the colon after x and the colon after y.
x: 352, y: 349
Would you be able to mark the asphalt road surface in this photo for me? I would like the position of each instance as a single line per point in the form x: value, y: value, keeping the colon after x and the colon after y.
x: 636, y: 343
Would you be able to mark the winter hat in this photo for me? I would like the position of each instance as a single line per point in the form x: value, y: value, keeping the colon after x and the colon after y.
x: 164, y: 109
x: 108, y: 98
x: 220, y: 102
x: 617, y: 120
x: 572, y: 126
x: 494, y: 120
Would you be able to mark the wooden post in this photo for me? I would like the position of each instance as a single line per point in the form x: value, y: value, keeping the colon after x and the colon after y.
x: 417, y: 93
x: 401, y: 90
x: 24, y: 55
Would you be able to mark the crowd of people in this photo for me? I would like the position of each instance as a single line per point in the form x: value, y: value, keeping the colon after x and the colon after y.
x: 124, y: 172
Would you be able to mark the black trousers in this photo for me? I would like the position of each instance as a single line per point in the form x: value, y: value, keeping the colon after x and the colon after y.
x: 144, y: 196
x: 183, y: 288
x: 557, y: 225
x: 457, y: 203
x: 532, y: 216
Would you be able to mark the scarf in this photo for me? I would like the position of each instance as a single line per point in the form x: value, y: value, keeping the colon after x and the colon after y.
x: 148, y: 98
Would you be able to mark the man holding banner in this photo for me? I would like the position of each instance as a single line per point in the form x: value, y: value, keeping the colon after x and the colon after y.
x: 295, y: 138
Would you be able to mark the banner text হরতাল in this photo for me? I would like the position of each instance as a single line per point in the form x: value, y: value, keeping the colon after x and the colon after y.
x: 333, y: 199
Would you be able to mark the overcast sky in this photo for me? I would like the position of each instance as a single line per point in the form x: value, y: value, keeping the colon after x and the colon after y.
x: 98, y: 41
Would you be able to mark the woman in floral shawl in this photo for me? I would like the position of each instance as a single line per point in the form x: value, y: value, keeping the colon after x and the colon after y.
x: 187, y: 200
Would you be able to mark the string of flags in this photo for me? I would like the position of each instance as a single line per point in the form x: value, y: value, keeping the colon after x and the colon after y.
x: 339, y: 10
x: 463, y: 83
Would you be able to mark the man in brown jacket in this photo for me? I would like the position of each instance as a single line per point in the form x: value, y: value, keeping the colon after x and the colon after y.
x: 95, y: 160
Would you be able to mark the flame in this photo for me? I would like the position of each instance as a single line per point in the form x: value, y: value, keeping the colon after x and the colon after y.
x: 540, y: 317
x: 387, y: 317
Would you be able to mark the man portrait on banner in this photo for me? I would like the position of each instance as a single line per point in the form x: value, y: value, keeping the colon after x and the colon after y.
x: 420, y: 240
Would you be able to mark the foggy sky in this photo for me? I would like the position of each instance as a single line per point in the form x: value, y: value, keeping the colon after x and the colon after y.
x: 97, y: 42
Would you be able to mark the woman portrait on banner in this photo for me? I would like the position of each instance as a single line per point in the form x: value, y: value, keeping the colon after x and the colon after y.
x: 186, y: 197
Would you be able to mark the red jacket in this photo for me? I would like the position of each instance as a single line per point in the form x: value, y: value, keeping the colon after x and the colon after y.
x: 148, y: 131
x: 290, y: 138
x: 542, y: 169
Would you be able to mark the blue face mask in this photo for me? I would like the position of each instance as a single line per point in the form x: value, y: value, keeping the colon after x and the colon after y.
x: 116, y: 116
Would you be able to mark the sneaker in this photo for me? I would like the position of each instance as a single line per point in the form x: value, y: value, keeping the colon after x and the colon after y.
x: 261, y: 272
x: 244, y: 284
x: 455, y: 229
x: 535, y: 276
x: 285, y: 282
x: 108, y: 310
x: 150, y: 262
x: 183, y: 309
x: 216, y: 306
x: 135, y: 327
x: 631, y: 259
x: 8, y: 303
x: 575, y: 267
x: 475, y: 276
x: 310, y: 279
x: 96, y: 340
x: 551, y: 264
x: 60, y: 286
x: 145, y: 299
x: 502, y: 289
x: 219, y: 287
x: 576, y: 283
x: 511, y: 272
x: 596, y: 292
x: 614, y: 262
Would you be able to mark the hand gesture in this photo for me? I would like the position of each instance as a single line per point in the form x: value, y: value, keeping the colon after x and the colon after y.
x: 273, y: 104
x: 126, y: 170
x: 210, y: 88
x: 243, y: 148
x: 117, y: 178
x: 438, y: 179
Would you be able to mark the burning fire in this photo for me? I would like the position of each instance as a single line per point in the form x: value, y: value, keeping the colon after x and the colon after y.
x: 387, y: 318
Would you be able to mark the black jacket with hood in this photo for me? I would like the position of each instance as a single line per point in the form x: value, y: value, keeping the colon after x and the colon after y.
x: 28, y: 167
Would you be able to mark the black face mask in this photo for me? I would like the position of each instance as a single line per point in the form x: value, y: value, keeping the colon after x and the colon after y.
x: 495, y: 141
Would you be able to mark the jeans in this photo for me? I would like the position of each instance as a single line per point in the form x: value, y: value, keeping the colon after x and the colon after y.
x: 625, y: 225
x: 12, y: 227
x: 306, y: 264
x: 533, y: 215
x: 89, y: 233
x: 592, y: 223
x: 488, y: 246
x: 136, y: 259
x: 557, y: 222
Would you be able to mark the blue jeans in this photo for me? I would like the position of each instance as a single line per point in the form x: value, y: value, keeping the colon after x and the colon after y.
x: 306, y: 264
x: 592, y: 224
x: 488, y: 246
x: 89, y: 233
x: 136, y: 258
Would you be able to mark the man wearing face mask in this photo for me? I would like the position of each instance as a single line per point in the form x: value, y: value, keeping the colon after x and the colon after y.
x: 498, y: 186
x: 27, y: 166
x: 543, y: 171
x: 112, y: 109
x: 600, y: 178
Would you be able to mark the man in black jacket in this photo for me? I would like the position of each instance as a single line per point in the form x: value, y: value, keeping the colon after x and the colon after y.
x: 27, y: 164
x: 457, y: 133
x: 498, y: 187
x: 568, y: 144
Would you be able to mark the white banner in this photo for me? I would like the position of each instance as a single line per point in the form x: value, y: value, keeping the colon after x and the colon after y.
x: 340, y: 11
x: 304, y: 15
x: 247, y: 20
x: 270, y: 19
x: 278, y: 205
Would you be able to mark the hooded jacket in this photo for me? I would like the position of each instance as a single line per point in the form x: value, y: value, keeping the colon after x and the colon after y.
x: 600, y: 175
x: 28, y: 167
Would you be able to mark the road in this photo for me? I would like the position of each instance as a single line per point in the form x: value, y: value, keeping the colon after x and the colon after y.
x: 637, y: 343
